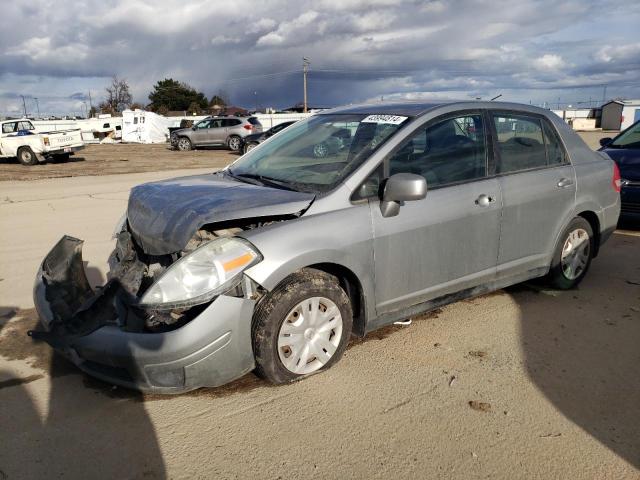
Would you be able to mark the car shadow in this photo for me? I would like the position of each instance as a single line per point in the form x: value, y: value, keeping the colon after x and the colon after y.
x: 582, y: 347
x: 59, y: 427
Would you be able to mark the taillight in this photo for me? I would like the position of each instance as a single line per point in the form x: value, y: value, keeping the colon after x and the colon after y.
x: 616, y: 181
x: 248, y: 127
x: 46, y: 140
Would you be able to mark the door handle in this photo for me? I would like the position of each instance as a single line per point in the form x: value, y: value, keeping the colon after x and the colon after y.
x: 484, y: 200
x: 565, y: 182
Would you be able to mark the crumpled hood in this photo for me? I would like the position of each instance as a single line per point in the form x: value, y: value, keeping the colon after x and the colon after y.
x: 628, y: 161
x: 163, y: 216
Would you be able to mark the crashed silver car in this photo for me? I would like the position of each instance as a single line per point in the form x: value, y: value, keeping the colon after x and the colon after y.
x: 271, y: 264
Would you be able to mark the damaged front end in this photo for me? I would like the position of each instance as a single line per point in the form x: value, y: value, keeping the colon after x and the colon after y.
x: 140, y: 331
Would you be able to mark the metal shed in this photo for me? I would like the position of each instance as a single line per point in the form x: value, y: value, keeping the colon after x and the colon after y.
x: 611, y: 115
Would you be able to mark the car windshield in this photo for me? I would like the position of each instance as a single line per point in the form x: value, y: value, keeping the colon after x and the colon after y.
x: 628, y: 139
x: 315, y: 155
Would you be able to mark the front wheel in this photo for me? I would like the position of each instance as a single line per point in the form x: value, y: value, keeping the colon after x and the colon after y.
x: 249, y: 146
x: 301, y: 327
x: 184, y: 144
x: 573, y: 255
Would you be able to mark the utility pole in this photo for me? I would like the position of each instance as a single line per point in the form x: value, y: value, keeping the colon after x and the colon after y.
x: 305, y: 69
x: 604, y: 94
x: 24, y: 106
x: 37, y: 106
x: 90, y: 104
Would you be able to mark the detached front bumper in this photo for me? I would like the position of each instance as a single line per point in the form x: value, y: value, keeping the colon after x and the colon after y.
x: 89, y: 328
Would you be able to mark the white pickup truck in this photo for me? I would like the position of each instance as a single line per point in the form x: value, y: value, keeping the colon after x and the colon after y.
x: 19, y: 139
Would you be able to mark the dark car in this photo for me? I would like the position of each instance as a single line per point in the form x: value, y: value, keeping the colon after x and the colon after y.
x: 625, y: 151
x: 255, y: 139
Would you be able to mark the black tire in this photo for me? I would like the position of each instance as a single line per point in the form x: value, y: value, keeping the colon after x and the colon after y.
x: 26, y: 156
x: 63, y: 157
x: 249, y: 146
x: 184, y: 144
x: 558, y: 277
x: 234, y: 143
x: 273, y: 310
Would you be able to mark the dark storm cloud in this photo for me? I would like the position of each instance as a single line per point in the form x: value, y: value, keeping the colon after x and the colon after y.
x: 359, y: 49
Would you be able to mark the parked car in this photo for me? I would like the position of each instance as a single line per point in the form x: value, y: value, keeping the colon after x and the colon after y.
x: 624, y: 149
x: 212, y: 131
x: 18, y: 138
x: 251, y: 141
x: 273, y: 263
x: 184, y: 123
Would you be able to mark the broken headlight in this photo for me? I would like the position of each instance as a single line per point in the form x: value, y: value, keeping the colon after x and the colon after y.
x: 201, y: 275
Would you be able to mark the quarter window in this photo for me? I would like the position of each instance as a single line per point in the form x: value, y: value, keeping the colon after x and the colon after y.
x: 555, y: 150
x: 520, y: 143
x: 449, y: 151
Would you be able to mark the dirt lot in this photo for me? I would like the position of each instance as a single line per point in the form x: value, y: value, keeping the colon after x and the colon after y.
x: 133, y: 158
x: 118, y: 158
x: 523, y: 383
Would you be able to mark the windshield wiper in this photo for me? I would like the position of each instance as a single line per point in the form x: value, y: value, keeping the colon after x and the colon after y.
x: 265, y: 180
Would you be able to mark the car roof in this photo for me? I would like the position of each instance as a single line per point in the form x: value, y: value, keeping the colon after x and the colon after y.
x: 419, y: 108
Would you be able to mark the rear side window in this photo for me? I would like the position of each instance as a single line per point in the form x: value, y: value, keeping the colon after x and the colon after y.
x: 254, y: 121
x: 9, y: 127
x: 520, y: 143
x: 555, y: 150
x: 449, y: 151
x: 230, y: 122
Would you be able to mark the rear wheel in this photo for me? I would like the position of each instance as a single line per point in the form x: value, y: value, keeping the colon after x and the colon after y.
x: 301, y: 327
x: 26, y: 156
x: 184, y: 144
x: 234, y: 142
x: 573, y: 255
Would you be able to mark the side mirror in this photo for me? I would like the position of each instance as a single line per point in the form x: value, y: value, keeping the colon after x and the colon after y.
x: 605, y: 141
x: 399, y: 188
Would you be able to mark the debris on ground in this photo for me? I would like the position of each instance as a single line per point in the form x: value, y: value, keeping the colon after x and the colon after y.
x: 551, y: 435
x: 404, y: 323
x: 478, y: 353
x: 452, y: 380
x: 480, y: 406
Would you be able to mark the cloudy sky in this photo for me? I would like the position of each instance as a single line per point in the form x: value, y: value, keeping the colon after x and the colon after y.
x: 539, y: 51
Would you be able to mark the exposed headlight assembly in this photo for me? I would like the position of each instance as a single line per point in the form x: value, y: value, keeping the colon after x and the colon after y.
x: 120, y: 225
x: 201, y: 275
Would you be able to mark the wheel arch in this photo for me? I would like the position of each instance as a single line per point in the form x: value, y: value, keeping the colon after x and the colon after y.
x: 591, y: 217
x: 350, y: 283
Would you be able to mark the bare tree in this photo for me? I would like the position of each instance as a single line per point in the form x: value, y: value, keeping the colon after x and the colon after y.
x: 118, y: 95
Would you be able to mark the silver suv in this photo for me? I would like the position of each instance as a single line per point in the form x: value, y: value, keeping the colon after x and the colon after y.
x: 215, y: 131
x: 273, y: 263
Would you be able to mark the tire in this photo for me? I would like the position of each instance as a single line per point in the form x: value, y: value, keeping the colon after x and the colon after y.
x: 279, y: 327
x: 184, y: 144
x: 573, y: 255
x: 26, y: 156
x: 63, y: 157
x: 234, y: 143
x: 249, y: 146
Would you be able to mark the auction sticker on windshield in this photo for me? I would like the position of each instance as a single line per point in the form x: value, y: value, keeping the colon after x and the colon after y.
x: 392, y: 119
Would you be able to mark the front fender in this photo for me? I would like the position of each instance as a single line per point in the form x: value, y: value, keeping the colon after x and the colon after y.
x: 341, y: 237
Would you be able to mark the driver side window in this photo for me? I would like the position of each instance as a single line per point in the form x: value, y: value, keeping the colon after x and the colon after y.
x: 448, y: 151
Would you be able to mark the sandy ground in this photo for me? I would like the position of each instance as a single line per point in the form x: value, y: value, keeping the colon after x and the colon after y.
x: 522, y: 383
x: 116, y: 158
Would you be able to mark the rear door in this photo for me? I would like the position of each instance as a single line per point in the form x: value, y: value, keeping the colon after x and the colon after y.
x: 538, y: 187
x: 449, y: 240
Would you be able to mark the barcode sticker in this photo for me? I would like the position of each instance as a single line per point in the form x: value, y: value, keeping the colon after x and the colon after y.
x: 391, y: 119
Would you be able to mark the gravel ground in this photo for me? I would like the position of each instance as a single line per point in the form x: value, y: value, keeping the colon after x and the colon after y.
x: 117, y: 158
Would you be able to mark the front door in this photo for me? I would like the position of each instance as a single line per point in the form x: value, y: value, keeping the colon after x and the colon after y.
x: 538, y: 192
x: 448, y: 241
